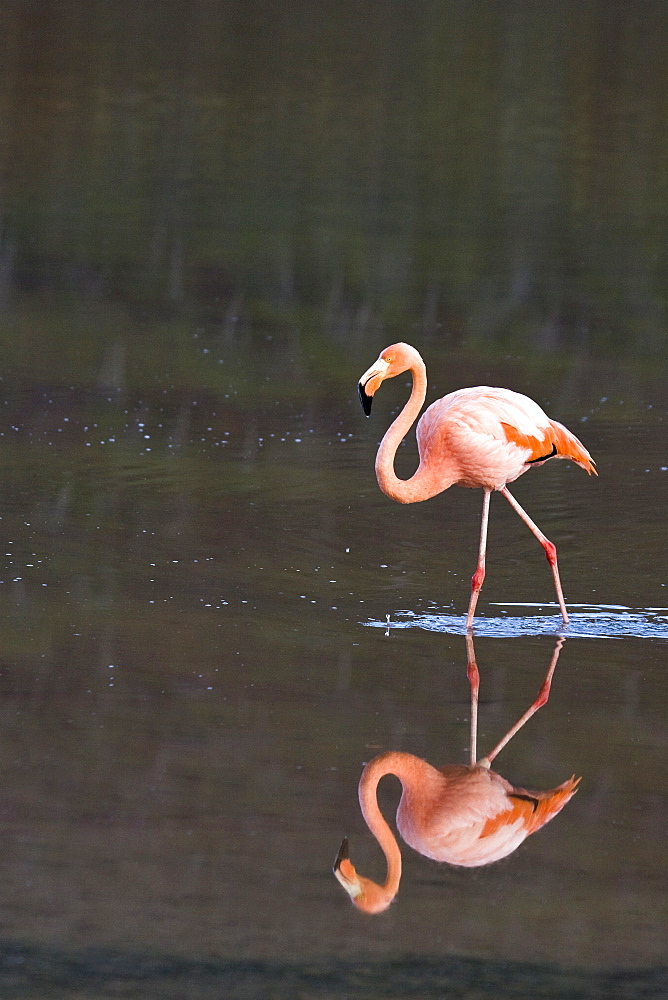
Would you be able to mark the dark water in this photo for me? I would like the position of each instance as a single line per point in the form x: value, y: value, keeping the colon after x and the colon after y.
x: 212, y: 218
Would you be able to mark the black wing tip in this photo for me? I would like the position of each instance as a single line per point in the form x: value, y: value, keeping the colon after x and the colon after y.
x: 544, y: 458
x: 365, y: 400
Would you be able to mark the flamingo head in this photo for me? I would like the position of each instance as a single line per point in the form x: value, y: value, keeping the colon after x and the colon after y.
x: 367, y: 896
x: 394, y: 360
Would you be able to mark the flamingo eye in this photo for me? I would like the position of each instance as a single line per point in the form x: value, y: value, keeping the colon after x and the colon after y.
x: 388, y: 360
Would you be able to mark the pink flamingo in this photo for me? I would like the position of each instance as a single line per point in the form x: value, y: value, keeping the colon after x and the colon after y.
x: 463, y: 815
x: 479, y: 437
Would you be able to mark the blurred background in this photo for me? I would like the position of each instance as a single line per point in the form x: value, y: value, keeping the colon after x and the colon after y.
x: 213, y: 216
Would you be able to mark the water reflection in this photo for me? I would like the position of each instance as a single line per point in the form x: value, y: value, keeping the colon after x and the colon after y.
x: 479, y: 437
x: 462, y: 814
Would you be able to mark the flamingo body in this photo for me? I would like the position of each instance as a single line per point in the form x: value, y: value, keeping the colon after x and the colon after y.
x: 488, y: 437
x: 481, y: 437
x: 473, y: 816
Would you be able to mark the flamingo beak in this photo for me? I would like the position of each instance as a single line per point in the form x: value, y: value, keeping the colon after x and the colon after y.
x: 370, y: 381
x: 345, y: 872
x: 365, y: 400
x: 343, y: 855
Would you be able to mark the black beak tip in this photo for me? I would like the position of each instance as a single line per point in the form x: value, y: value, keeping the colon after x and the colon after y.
x: 365, y: 400
x: 343, y: 854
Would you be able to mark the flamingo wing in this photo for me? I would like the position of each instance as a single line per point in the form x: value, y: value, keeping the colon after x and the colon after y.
x: 480, y: 817
x: 555, y: 442
x: 536, y: 808
x: 495, y: 434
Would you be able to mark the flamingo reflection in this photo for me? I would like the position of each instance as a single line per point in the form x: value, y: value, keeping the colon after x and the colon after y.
x: 462, y: 814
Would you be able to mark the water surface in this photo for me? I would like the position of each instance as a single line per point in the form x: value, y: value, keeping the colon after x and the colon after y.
x: 211, y: 222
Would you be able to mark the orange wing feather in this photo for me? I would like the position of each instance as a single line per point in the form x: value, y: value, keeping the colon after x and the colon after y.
x: 533, y: 808
x: 568, y: 446
x: 555, y: 442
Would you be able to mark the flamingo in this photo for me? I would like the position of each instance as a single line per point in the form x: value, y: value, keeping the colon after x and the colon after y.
x: 480, y: 437
x: 463, y: 815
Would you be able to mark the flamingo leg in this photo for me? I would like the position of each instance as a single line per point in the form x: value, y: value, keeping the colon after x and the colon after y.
x: 541, y: 700
x: 474, y: 680
x: 549, y: 547
x: 479, y: 575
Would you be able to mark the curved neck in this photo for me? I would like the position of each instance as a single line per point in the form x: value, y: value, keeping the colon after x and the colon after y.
x: 411, y: 772
x: 422, y: 484
x: 384, y: 764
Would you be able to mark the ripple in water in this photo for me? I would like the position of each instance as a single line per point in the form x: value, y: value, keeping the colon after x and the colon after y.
x: 587, y: 621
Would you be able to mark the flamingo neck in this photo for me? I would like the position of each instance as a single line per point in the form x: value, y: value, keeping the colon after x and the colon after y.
x: 373, y: 772
x: 407, y: 769
x: 423, y: 484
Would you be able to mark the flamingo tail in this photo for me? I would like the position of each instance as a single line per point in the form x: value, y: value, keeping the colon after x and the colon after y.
x: 568, y: 446
x: 548, y: 804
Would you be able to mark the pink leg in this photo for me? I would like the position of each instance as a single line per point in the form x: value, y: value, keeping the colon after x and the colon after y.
x: 549, y: 547
x: 474, y: 680
x: 479, y: 575
x: 541, y: 700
